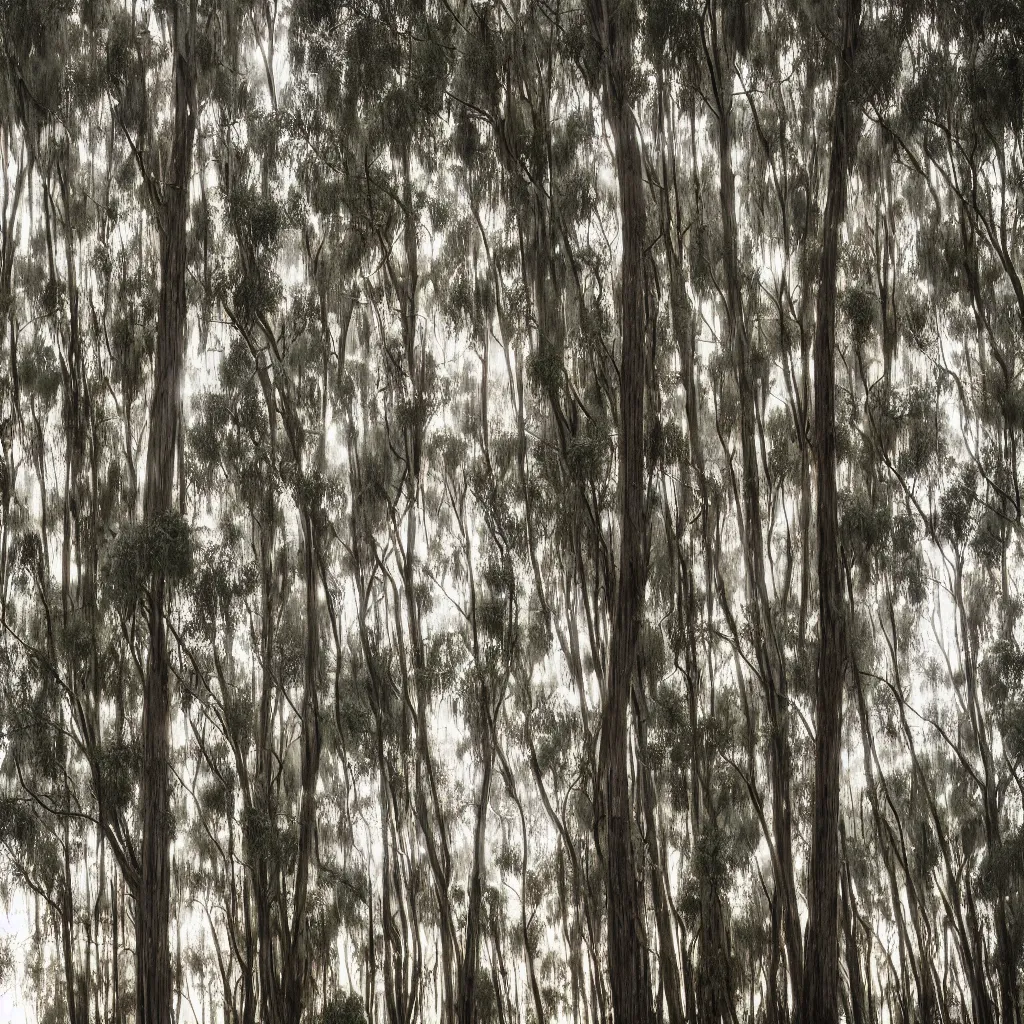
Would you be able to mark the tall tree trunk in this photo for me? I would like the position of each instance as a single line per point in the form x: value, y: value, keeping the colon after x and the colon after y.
x: 853, y: 966
x: 470, y: 964
x: 153, y: 970
x: 820, y: 998
x: 612, y: 22
x: 65, y: 919
x: 669, y: 965
x: 471, y: 958
x: 297, y: 966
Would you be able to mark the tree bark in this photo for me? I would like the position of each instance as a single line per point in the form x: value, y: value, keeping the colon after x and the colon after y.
x: 297, y: 966
x: 612, y: 22
x: 820, y: 998
x: 153, y: 964
x: 470, y: 965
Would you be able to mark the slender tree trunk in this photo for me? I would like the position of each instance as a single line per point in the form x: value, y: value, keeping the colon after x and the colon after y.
x: 65, y: 920
x: 297, y: 966
x: 631, y: 999
x: 667, y: 960
x: 853, y: 966
x: 471, y: 957
x: 153, y: 973
x: 820, y: 998
x: 115, y: 976
x: 470, y: 965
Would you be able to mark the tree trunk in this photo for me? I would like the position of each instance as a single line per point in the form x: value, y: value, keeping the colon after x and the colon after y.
x: 153, y: 981
x: 667, y: 960
x: 631, y: 999
x: 471, y: 957
x: 297, y: 970
x: 820, y: 999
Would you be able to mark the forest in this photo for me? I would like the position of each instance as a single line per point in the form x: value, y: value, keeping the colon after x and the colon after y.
x: 510, y: 511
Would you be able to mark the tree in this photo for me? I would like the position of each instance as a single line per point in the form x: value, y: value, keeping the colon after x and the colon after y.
x: 820, y: 998
x: 153, y: 974
x: 612, y: 25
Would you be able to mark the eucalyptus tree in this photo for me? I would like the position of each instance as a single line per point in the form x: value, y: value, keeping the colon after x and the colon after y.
x: 613, y: 27
x: 153, y: 980
x: 820, y: 996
